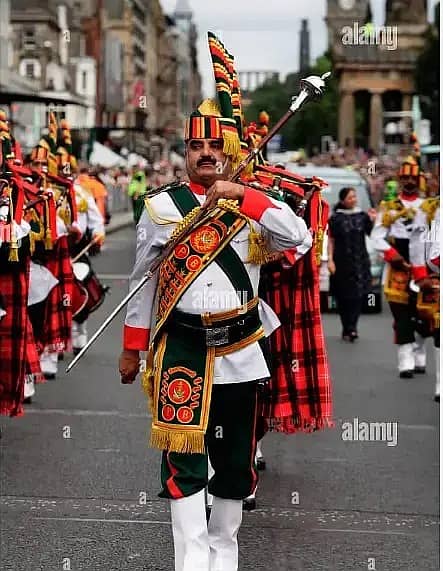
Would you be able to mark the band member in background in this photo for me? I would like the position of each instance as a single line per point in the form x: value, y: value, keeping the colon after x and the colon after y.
x: 15, y: 327
x: 393, y: 232
x: 425, y: 257
x: 206, y: 363
x: 90, y: 222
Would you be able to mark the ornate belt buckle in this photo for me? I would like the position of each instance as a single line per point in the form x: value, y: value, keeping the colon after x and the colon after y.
x: 216, y: 336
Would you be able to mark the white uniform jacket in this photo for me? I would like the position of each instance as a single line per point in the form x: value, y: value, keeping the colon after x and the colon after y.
x: 401, y: 229
x: 212, y: 290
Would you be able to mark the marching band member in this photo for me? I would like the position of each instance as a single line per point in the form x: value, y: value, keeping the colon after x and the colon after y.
x: 15, y: 327
x: 394, y: 235
x: 425, y: 259
x: 206, y: 363
x: 90, y: 223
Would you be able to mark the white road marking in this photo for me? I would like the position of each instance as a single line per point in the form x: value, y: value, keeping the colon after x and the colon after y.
x: 105, y: 520
x: 114, y: 276
x: 367, y: 531
x: 88, y: 412
x: 79, y: 412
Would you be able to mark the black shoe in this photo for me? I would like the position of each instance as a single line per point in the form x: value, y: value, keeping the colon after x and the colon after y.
x: 27, y: 400
x: 76, y: 350
x: 249, y: 504
x: 420, y: 370
x: 61, y: 357
x: 208, y: 513
x: 353, y: 335
x: 406, y: 374
x: 437, y: 398
x: 261, y: 464
x: 348, y: 337
x: 49, y: 376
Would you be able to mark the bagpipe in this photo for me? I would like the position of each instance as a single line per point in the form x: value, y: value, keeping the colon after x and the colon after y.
x: 312, y: 87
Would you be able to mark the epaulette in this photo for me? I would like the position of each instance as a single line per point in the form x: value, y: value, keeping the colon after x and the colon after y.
x: 430, y: 206
x: 159, y: 217
x: 164, y: 188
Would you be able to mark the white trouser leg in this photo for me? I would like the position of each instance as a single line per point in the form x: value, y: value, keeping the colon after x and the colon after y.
x: 211, y: 472
x: 258, y: 453
x: 420, y: 351
x: 224, y: 523
x: 79, y: 335
x: 29, y: 390
x: 190, y: 531
x: 48, y: 363
x: 406, y: 359
x: 253, y: 495
x: 437, y: 371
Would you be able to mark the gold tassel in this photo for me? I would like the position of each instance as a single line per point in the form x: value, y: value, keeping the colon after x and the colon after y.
x: 319, y: 236
x: 231, y: 145
x: 176, y: 441
x: 257, y: 250
x: 48, y: 233
x: 13, y: 249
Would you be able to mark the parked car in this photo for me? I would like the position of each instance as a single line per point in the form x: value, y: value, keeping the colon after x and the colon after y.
x: 337, y: 178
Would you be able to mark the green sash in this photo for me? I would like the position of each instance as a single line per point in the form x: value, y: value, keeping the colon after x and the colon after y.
x: 179, y: 378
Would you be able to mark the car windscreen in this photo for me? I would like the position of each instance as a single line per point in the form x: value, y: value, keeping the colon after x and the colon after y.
x: 330, y: 193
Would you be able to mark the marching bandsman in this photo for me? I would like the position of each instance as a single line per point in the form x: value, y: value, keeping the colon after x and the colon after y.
x: 16, y: 342
x: 52, y: 318
x: 91, y: 226
x: 425, y: 257
x: 200, y: 318
x: 394, y: 235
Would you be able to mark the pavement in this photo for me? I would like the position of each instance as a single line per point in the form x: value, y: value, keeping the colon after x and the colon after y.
x: 78, y: 483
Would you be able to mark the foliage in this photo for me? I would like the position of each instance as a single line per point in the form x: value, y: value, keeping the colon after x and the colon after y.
x: 315, y: 119
x: 427, y: 78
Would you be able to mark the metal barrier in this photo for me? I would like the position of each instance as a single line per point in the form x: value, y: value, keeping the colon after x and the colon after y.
x: 118, y: 199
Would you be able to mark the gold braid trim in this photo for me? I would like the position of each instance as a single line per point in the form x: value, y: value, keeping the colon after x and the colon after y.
x: 160, y: 220
x: 429, y: 207
x: 400, y: 212
x: 36, y: 236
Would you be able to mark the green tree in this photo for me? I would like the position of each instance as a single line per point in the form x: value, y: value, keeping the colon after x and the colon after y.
x: 427, y: 77
x: 315, y: 119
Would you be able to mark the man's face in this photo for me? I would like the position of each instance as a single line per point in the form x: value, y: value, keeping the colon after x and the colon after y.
x: 408, y: 184
x: 206, y: 162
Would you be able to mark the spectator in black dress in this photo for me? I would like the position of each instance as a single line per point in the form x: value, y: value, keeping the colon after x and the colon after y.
x: 348, y: 259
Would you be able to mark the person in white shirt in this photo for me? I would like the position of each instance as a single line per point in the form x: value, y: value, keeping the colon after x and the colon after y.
x: 201, y: 318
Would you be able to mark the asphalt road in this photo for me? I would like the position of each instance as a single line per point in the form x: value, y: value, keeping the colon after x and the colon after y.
x: 89, y: 502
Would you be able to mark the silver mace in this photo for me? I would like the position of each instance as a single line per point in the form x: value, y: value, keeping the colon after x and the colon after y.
x: 312, y: 87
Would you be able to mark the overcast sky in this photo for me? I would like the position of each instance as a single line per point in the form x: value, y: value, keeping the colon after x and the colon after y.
x: 262, y: 35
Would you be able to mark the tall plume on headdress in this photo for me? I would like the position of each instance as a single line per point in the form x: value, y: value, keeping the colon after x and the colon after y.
x: 224, y: 73
x: 46, y: 148
x: 65, y: 143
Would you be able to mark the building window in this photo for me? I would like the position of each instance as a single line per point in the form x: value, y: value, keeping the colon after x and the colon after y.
x: 29, y: 39
x: 30, y: 69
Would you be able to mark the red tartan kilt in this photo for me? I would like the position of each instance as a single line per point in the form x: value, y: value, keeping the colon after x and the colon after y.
x: 14, y: 335
x: 58, y: 311
x: 33, y: 358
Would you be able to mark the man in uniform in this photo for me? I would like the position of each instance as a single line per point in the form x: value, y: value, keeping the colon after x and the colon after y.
x: 201, y: 319
x: 89, y: 221
x: 394, y: 235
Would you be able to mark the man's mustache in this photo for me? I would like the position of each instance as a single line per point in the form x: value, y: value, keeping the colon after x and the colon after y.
x: 205, y: 161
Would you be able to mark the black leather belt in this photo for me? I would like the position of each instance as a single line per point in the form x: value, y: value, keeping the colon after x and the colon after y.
x: 221, y: 334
